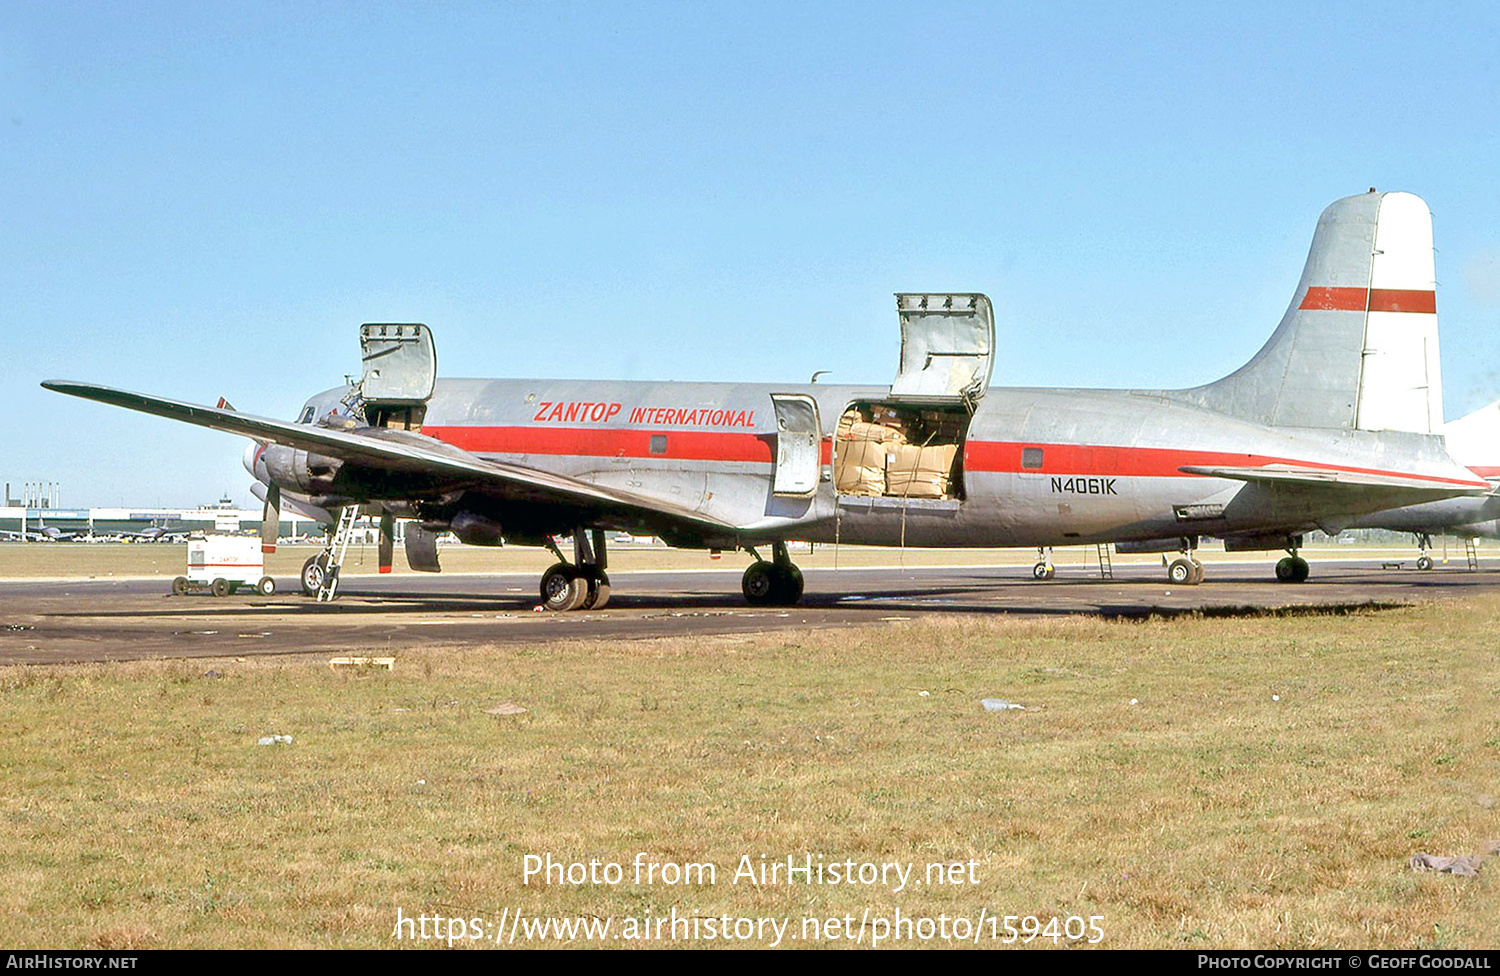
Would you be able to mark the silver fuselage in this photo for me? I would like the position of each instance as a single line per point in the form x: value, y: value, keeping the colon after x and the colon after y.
x: 1109, y: 468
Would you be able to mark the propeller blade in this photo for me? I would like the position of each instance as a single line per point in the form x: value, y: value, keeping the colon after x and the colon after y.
x: 387, y: 540
x: 270, y: 520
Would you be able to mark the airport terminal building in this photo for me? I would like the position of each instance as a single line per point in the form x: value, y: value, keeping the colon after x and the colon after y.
x: 129, y: 524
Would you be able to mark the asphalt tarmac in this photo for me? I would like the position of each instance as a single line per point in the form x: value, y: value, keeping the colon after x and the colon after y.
x: 48, y: 622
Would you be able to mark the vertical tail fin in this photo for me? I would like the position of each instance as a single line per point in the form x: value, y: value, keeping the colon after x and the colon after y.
x: 1358, y: 346
x: 1474, y: 439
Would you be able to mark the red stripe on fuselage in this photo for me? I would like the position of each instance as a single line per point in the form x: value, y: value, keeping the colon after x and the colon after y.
x: 1144, y: 462
x: 987, y: 456
x: 682, y: 445
x: 1373, y: 299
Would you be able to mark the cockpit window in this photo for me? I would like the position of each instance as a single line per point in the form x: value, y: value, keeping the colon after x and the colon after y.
x: 307, y: 414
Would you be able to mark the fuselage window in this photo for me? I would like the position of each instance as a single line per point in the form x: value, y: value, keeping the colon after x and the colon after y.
x: 658, y: 443
x: 1031, y: 457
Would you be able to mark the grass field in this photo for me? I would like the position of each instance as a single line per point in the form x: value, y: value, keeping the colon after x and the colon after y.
x: 1242, y: 782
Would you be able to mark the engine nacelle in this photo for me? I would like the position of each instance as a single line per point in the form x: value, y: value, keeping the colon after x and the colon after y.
x: 1487, y: 530
x: 293, y: 469
x: 476, y: 530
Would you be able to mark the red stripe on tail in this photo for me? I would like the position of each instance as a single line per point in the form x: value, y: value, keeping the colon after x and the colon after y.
x: 1373, y: 299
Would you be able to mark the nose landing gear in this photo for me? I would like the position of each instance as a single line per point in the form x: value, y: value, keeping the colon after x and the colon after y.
x: 1424, y: 543
x: 1043, y: 570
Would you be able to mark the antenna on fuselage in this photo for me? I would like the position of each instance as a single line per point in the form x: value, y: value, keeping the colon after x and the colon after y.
x: 821, y: 372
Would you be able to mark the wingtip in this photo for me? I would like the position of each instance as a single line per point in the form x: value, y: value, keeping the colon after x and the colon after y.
x: 67, y: 386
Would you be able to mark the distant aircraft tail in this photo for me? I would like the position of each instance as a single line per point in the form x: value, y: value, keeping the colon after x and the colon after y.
x: 1474, y: 439
x: 1358, y: 346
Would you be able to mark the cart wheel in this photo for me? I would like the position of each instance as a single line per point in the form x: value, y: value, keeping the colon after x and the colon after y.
x: 179, y: 586
x: 266, y: 586
x: 221, y: 587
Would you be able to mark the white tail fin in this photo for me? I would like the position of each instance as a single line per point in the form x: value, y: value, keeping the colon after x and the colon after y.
x: 1474, y: 439
x: 1358, y: 346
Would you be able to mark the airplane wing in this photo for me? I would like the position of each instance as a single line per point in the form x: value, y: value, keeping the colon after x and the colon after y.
x: 1290, y: 474
x: 395, y: 450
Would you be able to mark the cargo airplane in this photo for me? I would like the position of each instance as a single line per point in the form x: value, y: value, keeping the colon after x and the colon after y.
x: 1334, y: 418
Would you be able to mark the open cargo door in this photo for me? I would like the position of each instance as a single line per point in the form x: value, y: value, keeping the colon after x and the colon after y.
x: 400, y: 372
x: 400, y: 363
x: 947, y: 349
x: 798, y: 444
x: 910, y: 445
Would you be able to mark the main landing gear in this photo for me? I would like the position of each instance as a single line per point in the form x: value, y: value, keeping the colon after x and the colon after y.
x: 1184, y: 570
x: 582, y: 584
x: 1291, y: 568
x: 777, y: 583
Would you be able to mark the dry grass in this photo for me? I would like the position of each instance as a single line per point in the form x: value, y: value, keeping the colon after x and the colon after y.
x: 139, y: 811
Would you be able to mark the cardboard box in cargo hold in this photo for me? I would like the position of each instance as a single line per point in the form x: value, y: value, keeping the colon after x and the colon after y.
x: 920, y: 472
x: 859, y: 468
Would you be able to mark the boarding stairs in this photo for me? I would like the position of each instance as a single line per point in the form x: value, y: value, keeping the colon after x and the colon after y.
x: 1106, y: 564
x: 336, y: 551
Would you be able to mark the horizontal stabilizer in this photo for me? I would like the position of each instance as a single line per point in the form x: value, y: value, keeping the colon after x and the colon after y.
x: 1327, y: 477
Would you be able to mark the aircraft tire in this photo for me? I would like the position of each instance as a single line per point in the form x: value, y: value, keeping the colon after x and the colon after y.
x: 1300, y: 570
x: 597, y: 596
x: 1424, y: 562
x: 789, y: 580
x: 1183, y: 572
x: 563, y: 589
x: 1043, y: 571
x: 313, y: 572
x: 266, y: 586
x: 180, y: 586
x: 1197, y: 573
x: 760, y: 584
x: 220, y: 587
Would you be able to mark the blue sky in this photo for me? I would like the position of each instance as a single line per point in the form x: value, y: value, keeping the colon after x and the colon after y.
x: 205, y: 200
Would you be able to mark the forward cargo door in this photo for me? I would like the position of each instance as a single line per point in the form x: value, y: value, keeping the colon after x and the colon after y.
x: 799, y: 441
